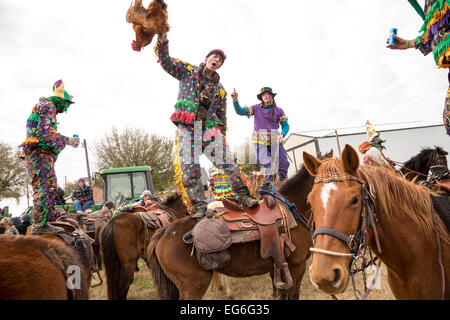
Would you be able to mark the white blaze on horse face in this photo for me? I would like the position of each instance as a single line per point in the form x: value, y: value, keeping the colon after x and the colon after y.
x: 325, y: 194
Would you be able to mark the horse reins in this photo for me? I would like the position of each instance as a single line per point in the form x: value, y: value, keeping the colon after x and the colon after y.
x: 357, y: 243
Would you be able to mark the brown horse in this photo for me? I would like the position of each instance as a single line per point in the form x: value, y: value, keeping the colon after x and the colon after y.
x: 178, y: 275
x: 402, y: 230
x: 123, y: 241
x: 41, y: 268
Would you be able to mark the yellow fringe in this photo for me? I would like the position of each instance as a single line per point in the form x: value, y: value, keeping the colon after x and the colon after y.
x: 178, y: 180
x: 29, y: 140
x: 446, y: 54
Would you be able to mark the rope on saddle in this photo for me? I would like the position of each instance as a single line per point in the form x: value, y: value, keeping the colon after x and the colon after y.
x: 292, y: 207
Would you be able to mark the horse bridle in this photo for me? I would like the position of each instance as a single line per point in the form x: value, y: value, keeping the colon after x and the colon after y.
x: 436, y: 161
x: 357, y: 243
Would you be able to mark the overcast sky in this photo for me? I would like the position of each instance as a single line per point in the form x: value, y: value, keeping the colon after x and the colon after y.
x: 327, y: 60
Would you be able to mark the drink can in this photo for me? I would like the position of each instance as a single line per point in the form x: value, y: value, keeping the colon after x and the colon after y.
x: 392, y: 32
x: 75, y: 136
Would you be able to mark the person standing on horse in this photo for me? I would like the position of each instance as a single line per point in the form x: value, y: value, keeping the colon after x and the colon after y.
x: 372, y: 149
x: 200, y: 115
x: 267, y: 119
x: 40, y: 151
x: 434, y: 38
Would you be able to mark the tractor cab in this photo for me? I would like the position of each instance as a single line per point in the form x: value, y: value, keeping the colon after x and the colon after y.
x: 125, y: 184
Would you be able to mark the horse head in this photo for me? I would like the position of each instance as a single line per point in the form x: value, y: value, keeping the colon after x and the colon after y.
x: 419, y: 165
x: 336, y: 200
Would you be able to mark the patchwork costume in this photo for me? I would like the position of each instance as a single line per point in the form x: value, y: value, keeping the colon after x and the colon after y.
x: 41, y: 149
x: 201, y: 105
x: 373, y: 151
x: 435, y: 37
x: 267, y: 120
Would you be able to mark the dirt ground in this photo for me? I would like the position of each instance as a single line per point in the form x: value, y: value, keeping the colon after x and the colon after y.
x: 251, y: 288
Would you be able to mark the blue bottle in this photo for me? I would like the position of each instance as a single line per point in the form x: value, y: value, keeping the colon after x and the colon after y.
x: 392, y: 32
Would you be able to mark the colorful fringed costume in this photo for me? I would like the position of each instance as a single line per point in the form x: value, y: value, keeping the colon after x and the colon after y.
x: 373, y: 150
x: 267, y: 120
x: 435, y: 37
x: 200, y: 114
x: 219, y: 185
x: 41, y: 149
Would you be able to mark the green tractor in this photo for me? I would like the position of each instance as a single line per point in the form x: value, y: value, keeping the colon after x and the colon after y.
x: 119, y: 185
x: 125, y: 184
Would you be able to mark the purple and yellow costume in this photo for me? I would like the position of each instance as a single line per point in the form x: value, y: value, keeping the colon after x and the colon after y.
x: 201, y: 105
x: 435, y: 37
x: 267, y: 120
x: 40, y: 151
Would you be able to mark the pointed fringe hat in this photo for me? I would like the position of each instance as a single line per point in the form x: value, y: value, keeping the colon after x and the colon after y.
x: 58, y: 91
x: 371, y: 133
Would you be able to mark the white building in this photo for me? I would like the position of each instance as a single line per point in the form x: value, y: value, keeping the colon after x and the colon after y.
x: 401, y: 144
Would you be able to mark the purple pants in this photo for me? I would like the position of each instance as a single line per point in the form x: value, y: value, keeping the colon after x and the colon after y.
x: 265, y: 154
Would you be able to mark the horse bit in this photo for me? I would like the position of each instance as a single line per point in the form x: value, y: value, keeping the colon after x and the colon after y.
x: 357, y: 243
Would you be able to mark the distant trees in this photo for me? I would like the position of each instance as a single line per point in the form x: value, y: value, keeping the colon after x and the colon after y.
x: 135, y: 147
x: 13, y: 175
x: 246, y: 154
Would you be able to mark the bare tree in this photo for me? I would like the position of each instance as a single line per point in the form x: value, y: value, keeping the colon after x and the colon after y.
x: 246, y: 154
x: 135, y: 147
x: 13, y: 176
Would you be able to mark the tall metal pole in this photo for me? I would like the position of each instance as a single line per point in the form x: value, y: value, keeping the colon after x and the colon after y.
x: 87, y: 161
x: 337, y: 139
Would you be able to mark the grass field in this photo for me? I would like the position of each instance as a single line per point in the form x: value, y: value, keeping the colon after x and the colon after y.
x: 251, y: 288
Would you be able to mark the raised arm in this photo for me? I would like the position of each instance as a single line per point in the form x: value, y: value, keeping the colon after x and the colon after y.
x: 175, y: 67
x: 237, y: 107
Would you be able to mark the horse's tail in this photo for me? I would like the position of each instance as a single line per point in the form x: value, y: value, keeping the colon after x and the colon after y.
x: 111, y: 262
x: 166, y: 288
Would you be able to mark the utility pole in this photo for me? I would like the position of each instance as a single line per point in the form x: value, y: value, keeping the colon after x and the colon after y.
x: 337, y: 139
x: 87, y: 162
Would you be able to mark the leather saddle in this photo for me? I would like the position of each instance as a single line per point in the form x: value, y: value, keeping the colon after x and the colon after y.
x: 154, y: 217
x: 268, y: 222
x: 74, y: 236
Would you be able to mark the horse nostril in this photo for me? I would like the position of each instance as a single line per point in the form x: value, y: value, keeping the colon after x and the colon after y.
x: 337, y: 276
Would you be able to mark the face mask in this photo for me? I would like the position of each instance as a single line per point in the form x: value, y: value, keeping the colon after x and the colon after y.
x: 61, y: 104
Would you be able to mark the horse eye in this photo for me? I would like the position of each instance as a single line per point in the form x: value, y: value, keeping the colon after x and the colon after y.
x: 354, y: 200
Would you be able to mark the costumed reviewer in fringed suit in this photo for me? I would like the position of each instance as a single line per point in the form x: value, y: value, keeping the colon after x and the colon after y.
x: 200, y: 115
x: 372, y: 149
x: 40, y: 151
x: 434, y: 37
x: 268, y: 118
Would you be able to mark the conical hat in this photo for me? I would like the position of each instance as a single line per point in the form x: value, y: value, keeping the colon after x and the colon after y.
x: 371, y: 133
x: 58, y: 91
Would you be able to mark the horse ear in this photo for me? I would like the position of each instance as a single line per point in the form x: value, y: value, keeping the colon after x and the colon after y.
x: 312, y: 164
x: 350, y: 159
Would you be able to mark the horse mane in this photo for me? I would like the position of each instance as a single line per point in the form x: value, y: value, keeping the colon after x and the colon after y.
x: 394, y: 195
x: 174, y: 196
x: 296, y: 181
